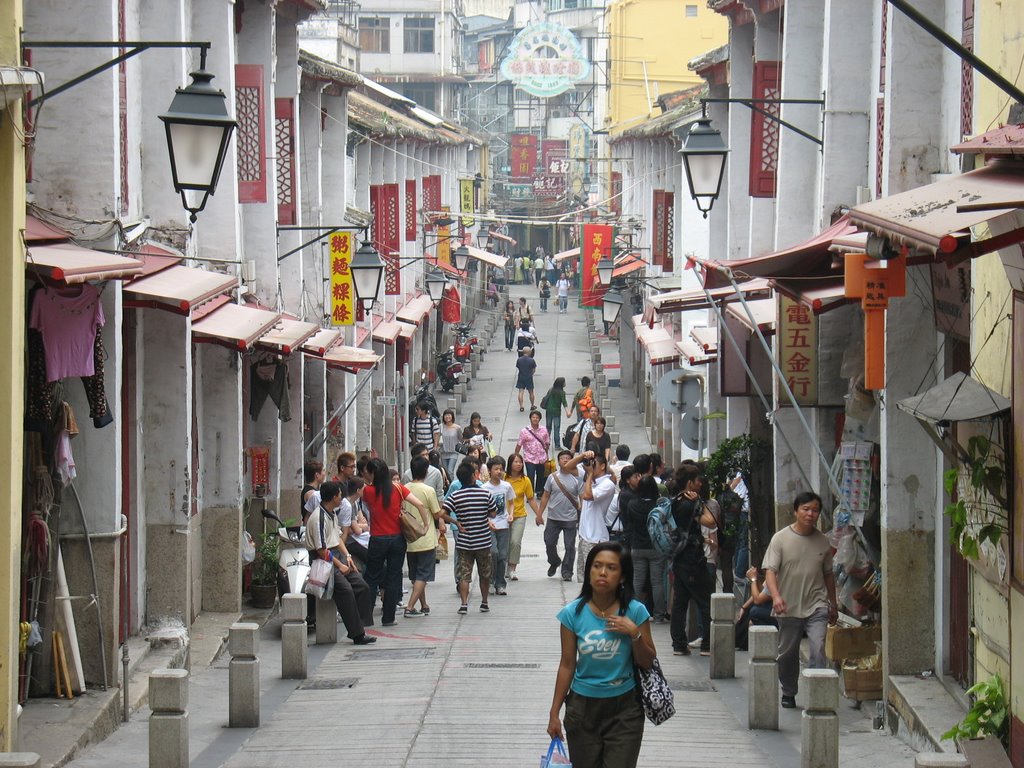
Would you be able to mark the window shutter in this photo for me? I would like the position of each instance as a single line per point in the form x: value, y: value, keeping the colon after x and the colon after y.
x: 616, y: 201
x: 284, y: 145
x: 387, y: 206
x: 967, y: 73
x: 658, y: 228
x: 410, y: 210
x: 670, y: 231
x: 251, y: 133
x: 764, y: 133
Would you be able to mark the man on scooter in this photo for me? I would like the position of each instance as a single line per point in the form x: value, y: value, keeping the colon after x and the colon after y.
x: 351, y: 594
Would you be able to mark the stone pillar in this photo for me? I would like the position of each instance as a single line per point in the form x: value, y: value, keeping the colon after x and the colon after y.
x: 19, y: 760
x: 326, y: 622
x: 936, y: 760
x: 763, y: 683
x: 243, y: 676
x: 723, y: 636
x: 819, y: 725
x: 293, y: 637
x: 168, y: 723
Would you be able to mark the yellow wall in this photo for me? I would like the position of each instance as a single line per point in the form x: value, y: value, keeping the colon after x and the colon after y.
x: 999, y: 41
x: 656, y: 34
x: 12, y: 372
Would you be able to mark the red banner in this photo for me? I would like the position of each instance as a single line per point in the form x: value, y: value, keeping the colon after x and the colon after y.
x: 523, y: 161
x: 553, y: 153
x: 410, y: 210
x: 597, y: 244
x: 388, y: 237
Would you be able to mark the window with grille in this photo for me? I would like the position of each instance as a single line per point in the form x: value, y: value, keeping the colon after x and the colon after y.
x: 967, y: 73
x: 374, y: 34
x: 418, y: 35
x: 691, y: 11
x: 284, y: 145
x: 764, y: 132
x: 250, y: 114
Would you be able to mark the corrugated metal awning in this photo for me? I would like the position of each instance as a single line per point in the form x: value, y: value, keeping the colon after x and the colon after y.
x: 415, y: 310
x: 287, y: 335
x: 69, y: 263
x: 684, y: 300
x: 561, y: 256
x: 386, y: 331
x: 486, y: 256
x: 706, y: 338
x: 820, y: 296
x: 764, y: 311
x: 693, y: 354
x: 627, y: 264
x: 177, y: 289
x: 233, y: 326
x: 351, y: 359
x: 321, y: 341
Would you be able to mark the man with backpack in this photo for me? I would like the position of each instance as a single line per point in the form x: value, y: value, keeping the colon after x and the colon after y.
x: 584, y: 428
x: 425, y: 428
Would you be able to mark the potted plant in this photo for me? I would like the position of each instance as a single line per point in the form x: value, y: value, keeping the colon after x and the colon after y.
x: 263, y: 588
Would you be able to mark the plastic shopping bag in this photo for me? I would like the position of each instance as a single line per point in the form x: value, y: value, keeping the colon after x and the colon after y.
x: 320, y: 583
x: 556, y: 755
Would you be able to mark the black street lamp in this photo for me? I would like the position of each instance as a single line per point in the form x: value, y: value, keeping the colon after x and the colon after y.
x: 436, y: 283
x: 704, y: 155
x: 367, y: 274
x: 461, y: 258
x: 611, y: 306
x: 198, y: 131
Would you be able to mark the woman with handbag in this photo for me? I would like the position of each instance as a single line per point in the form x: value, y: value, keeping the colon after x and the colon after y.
x: 386, y: 551
x: 451, y: 436
x: 605, y: 635
x: 533, y: 443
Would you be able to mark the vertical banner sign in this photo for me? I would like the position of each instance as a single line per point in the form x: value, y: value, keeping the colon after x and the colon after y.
x: 410, y: 210
x: 390, y: 239
x: 553, y: 153
x: 342, y: 296
x: 579, y: 154
x: 658, y: 228
x: 798, y: 350
x: 444, y: 240
x: 597, y: 244
x: 466, y: 201
x: 524, y: 156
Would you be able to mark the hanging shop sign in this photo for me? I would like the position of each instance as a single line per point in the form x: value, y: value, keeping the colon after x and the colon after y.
x: 951, y: 298
x: 545, y: 59
x: 579, y: 154
x: 466, y: 190
x: 519, y: 191
x: 444, y: 238
x: 342, y: 295
x: 523, y: 147
x: 548, y: 187
x: 597, y: 244
x: 798, y: 349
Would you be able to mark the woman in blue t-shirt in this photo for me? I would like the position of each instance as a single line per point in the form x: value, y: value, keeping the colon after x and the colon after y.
x: 604, y: 633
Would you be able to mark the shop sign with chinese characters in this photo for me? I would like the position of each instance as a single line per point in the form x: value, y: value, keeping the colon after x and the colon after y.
x: 545, y: 59
x: 524, y: 156
x: 342, y: 296
x: 597, y: 244
x: 466, y: 206
x: 798, y: 350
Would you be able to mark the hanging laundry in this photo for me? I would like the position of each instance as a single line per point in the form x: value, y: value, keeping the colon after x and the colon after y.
x: 39, y: 408
x: 269, y: 376
x: 69, y: 324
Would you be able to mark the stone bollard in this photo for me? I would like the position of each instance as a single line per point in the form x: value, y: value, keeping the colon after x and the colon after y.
x: 936, y: 760
x: 243, y: 676
x: 723, y: 636
x: 453, y: 403
x: 819, y: 725
x: 460, y: 391
x: 602, y: 391
x: 614, y: 437
x: 19, y: 760
x: 474, y: 359
x: 168, y: 723
x: 611, y: 421
x: 326, y: 622
x: 763, y: 681
x: 293, y: 637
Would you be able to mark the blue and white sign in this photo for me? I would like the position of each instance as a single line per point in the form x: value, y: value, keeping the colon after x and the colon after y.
x: 545, y: 60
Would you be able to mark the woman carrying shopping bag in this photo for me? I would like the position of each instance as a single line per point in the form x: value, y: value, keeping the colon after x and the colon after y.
x: 604, y: 721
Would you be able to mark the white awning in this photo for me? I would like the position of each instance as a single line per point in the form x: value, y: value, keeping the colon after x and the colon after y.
x: 486, y: 256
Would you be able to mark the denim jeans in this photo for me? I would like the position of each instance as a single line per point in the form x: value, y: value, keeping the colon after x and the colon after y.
x: 563, y: 303
x: 650, y: 562
x: 499, y: 556
x: 567, y: 529
x: 543, y: 304
x: 386, y: 555
x: 536, y: 474
x: 510, y: 337
x: 554, y: 425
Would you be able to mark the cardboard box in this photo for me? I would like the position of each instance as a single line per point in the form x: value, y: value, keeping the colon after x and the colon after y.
x: 843, y: 643
x: 862, y: 684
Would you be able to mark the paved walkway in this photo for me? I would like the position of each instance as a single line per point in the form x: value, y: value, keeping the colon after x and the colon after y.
x: 475, y: 690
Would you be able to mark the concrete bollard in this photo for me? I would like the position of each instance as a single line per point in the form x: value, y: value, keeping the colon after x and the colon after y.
x: 602, y: 391
x: 614, y: 437
x: 474, y: 360
x: 243, y: 676
x: 460, y: 391
x: 763, y: 682
x: 326, y: 622
x: 168, y: 723
x: 293, y: 637
x: 19, y: 760
x: 934, y: 760
x: 819, y: 725
x: 611, y: 421
x: 723, y: 636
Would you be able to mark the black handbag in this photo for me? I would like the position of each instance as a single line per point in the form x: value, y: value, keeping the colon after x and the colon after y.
x: 654, y: 692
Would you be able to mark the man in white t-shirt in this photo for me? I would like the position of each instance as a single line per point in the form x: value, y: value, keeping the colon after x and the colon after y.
x: 563, y: 294
x: 502, y: 492
x: 597, y: 494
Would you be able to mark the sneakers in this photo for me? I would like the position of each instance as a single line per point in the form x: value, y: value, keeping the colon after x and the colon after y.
x: 553, y: 568
x: 788, y: 702
x: 705, y: 651
x: 391, y: 623
x: 567, y: 578
x: 512, y: 576
x: 412, y: 613
x: 484, y: 608
x: 463, y: 609
x: 696, y: 643
x: 684, y: 651
x: 500, y: 591
x: 364, y: 639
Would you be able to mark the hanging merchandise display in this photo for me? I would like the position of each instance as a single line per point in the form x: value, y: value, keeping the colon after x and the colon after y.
x: 855, y: 479
x: 64, y: 340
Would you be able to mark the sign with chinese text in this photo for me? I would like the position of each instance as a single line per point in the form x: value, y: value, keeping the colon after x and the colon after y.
x: 545, y: 59
x: 798, y: 350
x: 523, y: 162
x: 548, y: 186
x: 597, y: 244
x: 579, y: 154
x: 554, y: 154
x: 519, y: 191
x: 466, y: 202
x: 444, y: 240
x: 342, y: 295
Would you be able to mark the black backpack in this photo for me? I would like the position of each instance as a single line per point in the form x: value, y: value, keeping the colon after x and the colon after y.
x: 567, y: 437
x: 689, y: 554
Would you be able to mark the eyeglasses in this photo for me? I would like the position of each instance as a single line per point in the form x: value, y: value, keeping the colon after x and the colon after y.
x: 348, y: 466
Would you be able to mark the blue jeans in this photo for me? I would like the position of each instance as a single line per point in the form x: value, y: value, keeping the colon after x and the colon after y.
x: 510, y: 337
x: 386, y: 555
x: 563, y: 303
x: 499, y: 556
x: 554, y: 425
x: 650, y: 562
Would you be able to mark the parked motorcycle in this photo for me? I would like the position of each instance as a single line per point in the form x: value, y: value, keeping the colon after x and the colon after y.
x: 447, y: 369
x: 424, y: 395
x: 292, y: 556
x: 464, y: 342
